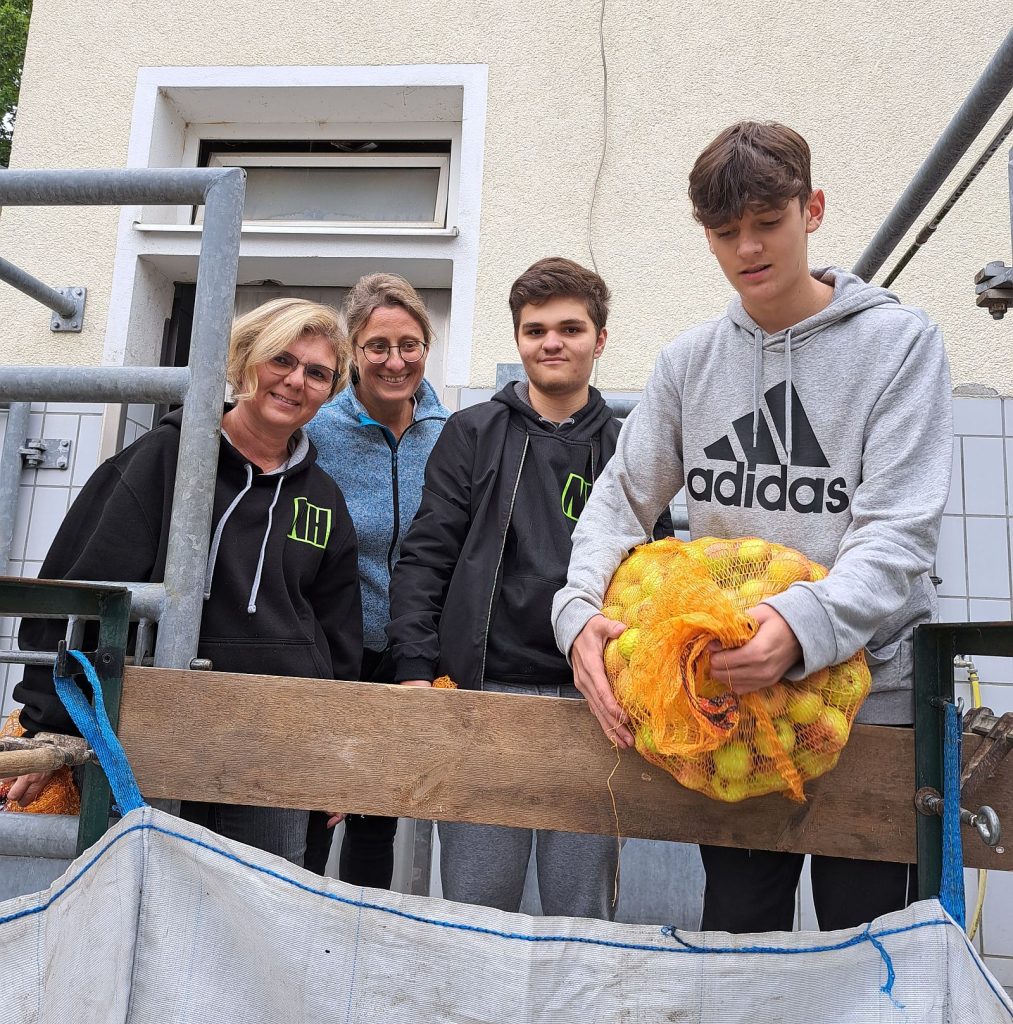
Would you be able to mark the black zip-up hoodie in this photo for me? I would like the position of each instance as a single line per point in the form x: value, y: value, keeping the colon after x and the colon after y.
x: 460, y: 553
x: 282, y: 584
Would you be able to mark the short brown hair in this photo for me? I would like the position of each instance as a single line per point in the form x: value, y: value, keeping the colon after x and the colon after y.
x: 556, y: 277
x: 749, y: 164
x: 268, y: 330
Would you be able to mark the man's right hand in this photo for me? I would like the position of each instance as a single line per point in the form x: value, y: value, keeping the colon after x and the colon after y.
x: 587, y: 655
x: 416, y: 682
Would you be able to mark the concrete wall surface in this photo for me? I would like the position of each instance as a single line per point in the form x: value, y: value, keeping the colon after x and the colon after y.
x: 870, y: 85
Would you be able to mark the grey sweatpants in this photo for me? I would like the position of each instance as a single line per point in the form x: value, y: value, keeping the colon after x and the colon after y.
x: 487, y: 864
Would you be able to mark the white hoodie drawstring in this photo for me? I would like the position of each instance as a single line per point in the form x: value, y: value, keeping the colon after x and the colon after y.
x: 757, y: 380
x: 216, y: 540
x: 788, y: 392
x: 252, y: 607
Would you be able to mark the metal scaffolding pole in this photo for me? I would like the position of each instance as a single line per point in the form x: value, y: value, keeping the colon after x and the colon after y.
x: 36, y: 289
x: 166, y: 385
x: 221, y: 191
x: 15, y: 434
x: 974, y: 113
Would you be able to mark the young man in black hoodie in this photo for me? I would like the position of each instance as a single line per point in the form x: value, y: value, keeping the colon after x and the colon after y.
x: 472, y: 591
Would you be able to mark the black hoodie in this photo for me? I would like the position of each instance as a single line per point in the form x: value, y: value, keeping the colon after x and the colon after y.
x: 491, y: 543
x: 282, y: 587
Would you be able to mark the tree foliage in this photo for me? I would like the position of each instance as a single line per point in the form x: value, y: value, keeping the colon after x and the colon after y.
x: 14, y: 15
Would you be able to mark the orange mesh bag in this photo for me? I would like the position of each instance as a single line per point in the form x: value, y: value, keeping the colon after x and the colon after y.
x: 675, y: 598
x: 60, y: 795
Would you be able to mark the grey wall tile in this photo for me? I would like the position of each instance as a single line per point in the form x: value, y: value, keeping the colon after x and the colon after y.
x: 89, y: 437
x: 993, y: 671
x: 141, y: 415
x: 988, y: 566
x: 984, y: 470
x: 48, y: 510
x: 951, y: 558
x: 997, y: 695
x: 977, y: 416
x: 21, y: 520
x: 997, y: 924
x: 1007, y: 416
x: 955, y: 500
x: 953, y: 609
x: 988, y: 610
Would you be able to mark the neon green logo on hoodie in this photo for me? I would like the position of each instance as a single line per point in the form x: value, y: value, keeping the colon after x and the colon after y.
x: 311, y: 524
x: 575, y: 492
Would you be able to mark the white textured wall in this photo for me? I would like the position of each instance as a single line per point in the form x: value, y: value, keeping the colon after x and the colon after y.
x: 870, y: 85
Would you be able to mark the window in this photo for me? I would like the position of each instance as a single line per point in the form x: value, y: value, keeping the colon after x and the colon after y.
x: 377, y: 185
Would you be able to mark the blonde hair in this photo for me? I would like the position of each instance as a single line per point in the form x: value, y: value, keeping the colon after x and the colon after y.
x: 269, y: 329
x: 374, y: 291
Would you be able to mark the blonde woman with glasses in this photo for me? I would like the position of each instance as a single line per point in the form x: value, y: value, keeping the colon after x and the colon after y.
x: 281, y: 591
x: 374, y: 439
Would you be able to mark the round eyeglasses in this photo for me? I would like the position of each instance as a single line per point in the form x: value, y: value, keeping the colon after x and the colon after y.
x: 314, y: 375
x: 379, y: 351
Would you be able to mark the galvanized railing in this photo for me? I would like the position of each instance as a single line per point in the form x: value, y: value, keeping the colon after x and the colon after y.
x: 200, y: 386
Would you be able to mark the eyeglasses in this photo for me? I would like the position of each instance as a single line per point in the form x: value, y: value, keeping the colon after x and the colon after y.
x: 315, y: 376
x: 379, y: 351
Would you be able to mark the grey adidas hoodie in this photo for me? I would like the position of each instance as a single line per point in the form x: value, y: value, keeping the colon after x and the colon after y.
x: 833, y: 437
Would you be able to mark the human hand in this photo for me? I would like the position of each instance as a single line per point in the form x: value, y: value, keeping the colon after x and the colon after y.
x: 416, y: 682
x: 28, y: 788
x: 335, y: 817
x: 761, y: 661
x: 588, y: 660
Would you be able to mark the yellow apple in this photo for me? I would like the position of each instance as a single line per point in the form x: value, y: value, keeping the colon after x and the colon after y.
x: 614, y: 660
x: 784, y: 736
x: 774, y: 699
x: 783, y: 571
x: 848, y: 685
x: 804, y: 706
x: 752, y: 592
x: 812, y: 765
x: 731, y: 791
x: 834, y: 724
x: 733, y: 760
x: 754, y: 554
x: 628, y: 643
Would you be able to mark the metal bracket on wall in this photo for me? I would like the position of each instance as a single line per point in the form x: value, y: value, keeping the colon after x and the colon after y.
x: 74, y: 320
x: 994, y: 287
x: 46, y: 453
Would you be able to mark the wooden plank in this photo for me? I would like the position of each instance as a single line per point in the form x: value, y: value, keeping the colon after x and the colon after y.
x: 502, y: 759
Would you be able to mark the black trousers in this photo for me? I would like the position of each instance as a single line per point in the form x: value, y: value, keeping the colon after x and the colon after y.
x: 754, y: 890
x: 367, y: 849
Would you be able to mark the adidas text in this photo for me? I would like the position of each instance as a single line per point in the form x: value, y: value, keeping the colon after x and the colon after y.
x: 739, y: 488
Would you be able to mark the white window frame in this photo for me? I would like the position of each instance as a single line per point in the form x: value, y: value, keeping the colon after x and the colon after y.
x: 176, y: 107
x: 441, y: 161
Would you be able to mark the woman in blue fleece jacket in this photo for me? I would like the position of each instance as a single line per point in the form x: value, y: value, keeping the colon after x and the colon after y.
x: 374, y: 439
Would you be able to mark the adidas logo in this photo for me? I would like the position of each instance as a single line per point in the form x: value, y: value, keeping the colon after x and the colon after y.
x: 740, y: 488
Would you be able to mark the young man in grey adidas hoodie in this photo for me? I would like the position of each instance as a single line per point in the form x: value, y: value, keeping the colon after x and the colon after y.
x: 815, y: 413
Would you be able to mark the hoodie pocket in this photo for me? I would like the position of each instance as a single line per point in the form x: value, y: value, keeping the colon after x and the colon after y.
x: 274, y: 657
x: 892, y: 666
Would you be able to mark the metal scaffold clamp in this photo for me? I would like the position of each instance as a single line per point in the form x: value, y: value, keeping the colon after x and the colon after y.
x: 994, y: 287
x: 70, y: 318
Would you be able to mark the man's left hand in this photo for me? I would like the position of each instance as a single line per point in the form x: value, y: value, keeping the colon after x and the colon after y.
x: 761, y: 661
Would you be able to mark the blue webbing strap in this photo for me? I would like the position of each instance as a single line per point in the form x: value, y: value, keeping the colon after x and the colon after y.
x: 95, y: 727
x: 951, y: 889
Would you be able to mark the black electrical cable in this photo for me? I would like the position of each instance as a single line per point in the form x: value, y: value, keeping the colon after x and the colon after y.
x: 926, y: 232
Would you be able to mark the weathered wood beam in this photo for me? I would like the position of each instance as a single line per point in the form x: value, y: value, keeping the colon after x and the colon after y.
x: 496, y: 758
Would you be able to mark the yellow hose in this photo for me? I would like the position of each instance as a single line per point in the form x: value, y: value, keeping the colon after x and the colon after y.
x: 972, y: 678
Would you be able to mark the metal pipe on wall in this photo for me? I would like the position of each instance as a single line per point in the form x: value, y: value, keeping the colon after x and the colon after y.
x: 992, y: 87
x: 15, y: 435
x: 94, y: 384
x: 36, y: 289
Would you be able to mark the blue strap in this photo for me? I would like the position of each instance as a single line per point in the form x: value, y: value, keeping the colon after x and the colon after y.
x: 951, y: 890
x: 95, y: 727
